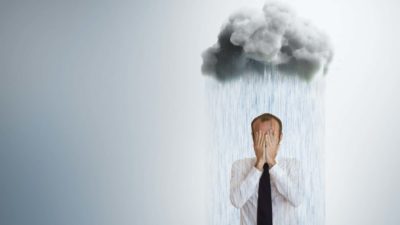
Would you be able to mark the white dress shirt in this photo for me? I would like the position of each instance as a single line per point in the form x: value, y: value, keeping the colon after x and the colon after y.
x: 287, y: 190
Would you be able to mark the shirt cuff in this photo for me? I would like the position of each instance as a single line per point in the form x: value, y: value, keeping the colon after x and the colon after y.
x: 255, y: 171
x: 276, y: 170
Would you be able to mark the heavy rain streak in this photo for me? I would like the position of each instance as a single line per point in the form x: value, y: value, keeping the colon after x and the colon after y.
x: 231, y: 106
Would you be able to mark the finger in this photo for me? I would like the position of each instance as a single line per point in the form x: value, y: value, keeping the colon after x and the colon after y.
x: 271, y: 137
x: 274, y: 138
x: 262, y: 139
x: 268, y: 138
x: 264, y: 147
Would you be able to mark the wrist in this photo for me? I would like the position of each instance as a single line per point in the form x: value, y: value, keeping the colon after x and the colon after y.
x: 260, y: 164
x: 271, y: 163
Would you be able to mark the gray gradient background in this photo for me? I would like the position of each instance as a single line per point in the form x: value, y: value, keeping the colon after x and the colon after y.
x: 102, y: 110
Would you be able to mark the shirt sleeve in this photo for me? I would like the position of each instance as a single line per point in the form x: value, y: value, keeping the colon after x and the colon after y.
x: 242, y: 187
x: 289, y: 181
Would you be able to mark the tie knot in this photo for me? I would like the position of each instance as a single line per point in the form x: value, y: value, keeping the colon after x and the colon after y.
x: 266, y: 167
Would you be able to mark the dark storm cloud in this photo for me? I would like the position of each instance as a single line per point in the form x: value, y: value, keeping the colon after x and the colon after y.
x: 251, y: 40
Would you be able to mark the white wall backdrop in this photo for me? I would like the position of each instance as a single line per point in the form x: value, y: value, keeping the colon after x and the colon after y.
x: 102, y: 110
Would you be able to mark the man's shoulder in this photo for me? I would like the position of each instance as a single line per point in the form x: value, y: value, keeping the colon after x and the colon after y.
x: 288, y: 159
x: 289, y: 162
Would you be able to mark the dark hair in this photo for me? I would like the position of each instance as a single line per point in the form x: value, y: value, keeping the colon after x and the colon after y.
x: 266, y: 117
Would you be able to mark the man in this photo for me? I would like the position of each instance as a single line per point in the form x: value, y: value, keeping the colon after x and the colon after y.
x: 285, y: 174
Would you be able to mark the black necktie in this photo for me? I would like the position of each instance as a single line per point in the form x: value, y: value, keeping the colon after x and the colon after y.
x: 264, y: 208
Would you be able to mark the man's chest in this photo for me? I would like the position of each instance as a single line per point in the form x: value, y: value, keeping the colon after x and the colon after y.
x: 275, y: 195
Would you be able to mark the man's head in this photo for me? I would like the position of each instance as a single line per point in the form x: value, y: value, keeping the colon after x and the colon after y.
x: 265, y: 122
